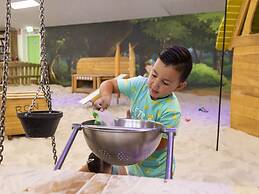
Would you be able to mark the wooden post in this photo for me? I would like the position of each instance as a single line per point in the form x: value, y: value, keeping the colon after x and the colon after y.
x: 98, y: 81
x: 240, y: 22
x: 132, y: 61
x: 249, y: 17
x: 117, y: 60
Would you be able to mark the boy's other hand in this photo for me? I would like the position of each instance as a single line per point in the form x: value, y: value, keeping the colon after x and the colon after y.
x: 102, y: 103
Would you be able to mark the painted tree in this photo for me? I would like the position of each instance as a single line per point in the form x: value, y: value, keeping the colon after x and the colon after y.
x: 197, y: 31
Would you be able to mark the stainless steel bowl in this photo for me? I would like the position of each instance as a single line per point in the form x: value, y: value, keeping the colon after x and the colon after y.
x: 128, y: 142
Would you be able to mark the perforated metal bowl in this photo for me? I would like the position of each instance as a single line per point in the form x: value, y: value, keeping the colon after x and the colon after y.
x: 128, y: 142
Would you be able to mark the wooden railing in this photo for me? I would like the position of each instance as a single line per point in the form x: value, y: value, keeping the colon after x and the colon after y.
x: 21, y: 73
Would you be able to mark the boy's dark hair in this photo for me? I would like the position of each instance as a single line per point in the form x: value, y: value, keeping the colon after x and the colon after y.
x: 180, y: 58
x: 96, y: 165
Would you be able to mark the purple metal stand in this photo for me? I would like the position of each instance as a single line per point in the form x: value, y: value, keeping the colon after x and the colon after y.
x: 76, y: 128
x: 170, y: 153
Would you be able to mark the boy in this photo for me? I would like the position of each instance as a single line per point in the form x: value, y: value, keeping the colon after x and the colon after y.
x: 153, y: 99
x: 148, y: 67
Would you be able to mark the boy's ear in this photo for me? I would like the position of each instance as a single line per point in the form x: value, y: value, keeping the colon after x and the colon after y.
x: 181, y: 86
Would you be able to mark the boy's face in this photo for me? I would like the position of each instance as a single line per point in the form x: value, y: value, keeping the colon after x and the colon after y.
x: 163, y: 80
x: 148, y: 68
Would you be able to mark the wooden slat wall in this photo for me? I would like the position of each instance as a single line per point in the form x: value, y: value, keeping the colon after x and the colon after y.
x: 101, y: 65
x: 20, y: 102
x: 245, y: 88
x: 95, y: 65
x: 14, y: 45
x: 21, y: 73
x: 98, y: 69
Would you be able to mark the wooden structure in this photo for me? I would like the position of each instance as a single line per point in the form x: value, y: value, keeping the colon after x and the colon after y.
x: 242, y: 35
x: 20, y: 102
x: 73, y: 181
x: 13, y: 44
x: 93, y: 96
x: 90, y: 72
x: 21, y: 73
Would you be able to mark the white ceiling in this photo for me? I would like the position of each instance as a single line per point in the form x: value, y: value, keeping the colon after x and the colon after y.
x: 66, y: 12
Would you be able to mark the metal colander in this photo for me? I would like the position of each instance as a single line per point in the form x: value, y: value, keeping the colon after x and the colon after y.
x: 128, y: 142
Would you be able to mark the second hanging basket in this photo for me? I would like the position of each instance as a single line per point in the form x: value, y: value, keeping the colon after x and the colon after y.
x: 40, y: 123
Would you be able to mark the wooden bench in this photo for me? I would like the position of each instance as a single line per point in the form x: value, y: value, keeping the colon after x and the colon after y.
x: 90, y: 72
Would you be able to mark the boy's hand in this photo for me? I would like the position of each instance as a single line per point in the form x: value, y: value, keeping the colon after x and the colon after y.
x: 102, y: 103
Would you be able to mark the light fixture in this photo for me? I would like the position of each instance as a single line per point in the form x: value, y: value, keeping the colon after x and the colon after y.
x: 21, y: 4
x: 29, y: 29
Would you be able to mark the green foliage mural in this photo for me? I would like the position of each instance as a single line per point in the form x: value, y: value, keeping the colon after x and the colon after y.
x: 197, y: 32
x: 205, y: 76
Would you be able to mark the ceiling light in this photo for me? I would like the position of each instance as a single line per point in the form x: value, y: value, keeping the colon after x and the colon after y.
x: 29, y: 29
x: 21, y: 4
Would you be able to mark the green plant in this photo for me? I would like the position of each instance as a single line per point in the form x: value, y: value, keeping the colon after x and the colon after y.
x: 204, y: 76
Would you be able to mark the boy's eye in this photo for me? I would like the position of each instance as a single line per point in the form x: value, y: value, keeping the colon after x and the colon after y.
x: 153, y: 75
x: 165, y: 83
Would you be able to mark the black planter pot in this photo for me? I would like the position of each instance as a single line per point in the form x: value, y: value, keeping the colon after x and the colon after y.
x: 40, y: 123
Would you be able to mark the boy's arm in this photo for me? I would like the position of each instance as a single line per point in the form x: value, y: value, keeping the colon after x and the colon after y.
x: 106, y: 89
x: 124, y: 86
x: 169, y: 120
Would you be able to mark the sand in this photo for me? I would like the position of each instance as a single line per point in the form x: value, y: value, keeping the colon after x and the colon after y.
x: 236, y: 162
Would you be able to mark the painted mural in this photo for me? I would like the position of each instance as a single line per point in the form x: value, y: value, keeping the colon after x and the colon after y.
x: 67, y: 44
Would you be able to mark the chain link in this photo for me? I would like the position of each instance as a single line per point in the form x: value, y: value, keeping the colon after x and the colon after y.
x: 44, y: 79
x: 54, y: 149
x: 5, y: 75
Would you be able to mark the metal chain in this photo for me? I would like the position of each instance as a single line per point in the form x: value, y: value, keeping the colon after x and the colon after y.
x: 44, y: 80
x: 5, y: 75
x: 34, y: 100
x: 54, y: 149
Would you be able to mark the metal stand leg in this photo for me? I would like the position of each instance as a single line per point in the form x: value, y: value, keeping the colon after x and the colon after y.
x: 170, y: 153
x: 76, y: 128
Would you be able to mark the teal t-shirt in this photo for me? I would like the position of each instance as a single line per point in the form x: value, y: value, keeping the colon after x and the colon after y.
x: 165, y: 111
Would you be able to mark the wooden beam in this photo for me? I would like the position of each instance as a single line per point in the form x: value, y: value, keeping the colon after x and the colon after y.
x: 117, y: 60
x: 250, y: 16
x: 132, y: 61
x: 246, y: 40
x: 240, y: 21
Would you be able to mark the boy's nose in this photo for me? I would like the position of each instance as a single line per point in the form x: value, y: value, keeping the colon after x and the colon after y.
x: 156, y: 84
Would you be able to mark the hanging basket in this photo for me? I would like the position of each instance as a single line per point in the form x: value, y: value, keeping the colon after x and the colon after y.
x: 40, y: 123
